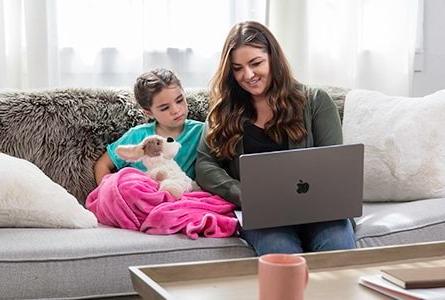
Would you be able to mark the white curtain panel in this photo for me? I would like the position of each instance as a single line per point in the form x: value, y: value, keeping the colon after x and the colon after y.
x: 2, y: 46
x: 78, y: 43
x: 368, y: 44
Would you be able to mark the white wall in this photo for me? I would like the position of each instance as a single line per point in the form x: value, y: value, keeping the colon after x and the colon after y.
x: 432, y: 76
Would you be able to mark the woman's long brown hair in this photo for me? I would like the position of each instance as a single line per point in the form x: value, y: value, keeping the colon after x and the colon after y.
x: 230, y: 104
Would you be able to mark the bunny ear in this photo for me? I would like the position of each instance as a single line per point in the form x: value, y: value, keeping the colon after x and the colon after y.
x: 130, y: 153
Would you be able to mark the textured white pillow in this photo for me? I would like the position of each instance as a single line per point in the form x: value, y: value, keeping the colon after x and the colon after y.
x: 404, y: 144
x: 28, y: 198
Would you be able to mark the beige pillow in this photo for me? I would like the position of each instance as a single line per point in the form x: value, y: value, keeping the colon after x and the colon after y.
x: 28, y: 198
x: 404, y: 144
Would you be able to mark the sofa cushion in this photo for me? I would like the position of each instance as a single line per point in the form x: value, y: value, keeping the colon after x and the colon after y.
x: 28, y: 198
x: 394, y: 223
x: 67, y: 263
x: 404, y: 141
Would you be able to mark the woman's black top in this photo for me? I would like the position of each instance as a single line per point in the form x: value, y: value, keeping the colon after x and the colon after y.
x: 255, y: 140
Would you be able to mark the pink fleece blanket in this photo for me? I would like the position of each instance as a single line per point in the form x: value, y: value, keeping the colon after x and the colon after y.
x: 130, y: 199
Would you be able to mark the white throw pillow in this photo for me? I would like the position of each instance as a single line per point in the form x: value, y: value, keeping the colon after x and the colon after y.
x: 28, y: 198
x: 404, y: 144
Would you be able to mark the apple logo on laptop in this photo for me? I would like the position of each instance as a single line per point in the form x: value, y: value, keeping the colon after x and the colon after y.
x: 302, y: 187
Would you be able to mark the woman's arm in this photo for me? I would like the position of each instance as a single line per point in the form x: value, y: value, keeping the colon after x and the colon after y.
x: 212, y: 177
x: 326, y: 125
x: 103, y: 166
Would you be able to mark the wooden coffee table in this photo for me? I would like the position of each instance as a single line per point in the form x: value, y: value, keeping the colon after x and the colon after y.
x: 333, y: 274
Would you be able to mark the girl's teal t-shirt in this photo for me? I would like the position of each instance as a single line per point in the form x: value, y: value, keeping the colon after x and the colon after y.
x: 189, y: 139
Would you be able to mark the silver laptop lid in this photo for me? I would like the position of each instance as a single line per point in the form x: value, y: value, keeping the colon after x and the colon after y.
x: 301, y: 185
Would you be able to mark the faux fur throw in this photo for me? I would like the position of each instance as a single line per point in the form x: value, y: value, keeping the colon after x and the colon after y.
x: 404, y: 144
x: 130, y: 199
x: 65, y: 131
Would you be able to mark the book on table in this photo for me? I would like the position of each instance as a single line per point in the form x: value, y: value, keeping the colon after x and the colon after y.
x: 427, y: 282
x: 416, y: 278
x: 377, y: 283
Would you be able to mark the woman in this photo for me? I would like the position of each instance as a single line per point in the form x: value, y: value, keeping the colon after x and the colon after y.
x: 257, y: 106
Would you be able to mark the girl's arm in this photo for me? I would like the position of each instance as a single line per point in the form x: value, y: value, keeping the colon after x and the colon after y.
x: 212, y: 177
x: 103, y: 166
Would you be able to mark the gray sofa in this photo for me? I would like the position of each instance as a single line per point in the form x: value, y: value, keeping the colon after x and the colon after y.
x: 63, y: 132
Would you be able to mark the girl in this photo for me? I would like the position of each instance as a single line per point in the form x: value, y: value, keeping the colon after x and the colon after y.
x: 160, y: 94
x: 257, y: 106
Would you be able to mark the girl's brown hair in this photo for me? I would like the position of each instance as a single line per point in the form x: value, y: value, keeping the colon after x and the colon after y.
x: 230, y: 104
x: 149, y: 84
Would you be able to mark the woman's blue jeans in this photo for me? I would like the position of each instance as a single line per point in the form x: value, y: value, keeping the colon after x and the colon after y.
x: 312, y: 237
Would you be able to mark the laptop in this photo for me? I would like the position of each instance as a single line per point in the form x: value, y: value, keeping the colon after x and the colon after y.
x: 301, y: 186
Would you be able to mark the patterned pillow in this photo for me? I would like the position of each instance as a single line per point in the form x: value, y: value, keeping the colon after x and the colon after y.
x: 198, y: 102
x: 199, y: 105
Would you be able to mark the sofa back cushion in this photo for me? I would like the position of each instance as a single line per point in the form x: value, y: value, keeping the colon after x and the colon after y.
x: 404, y: 144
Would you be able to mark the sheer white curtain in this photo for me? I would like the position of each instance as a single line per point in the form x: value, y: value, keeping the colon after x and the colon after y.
x: 366, y: 44
x: 49, y: 43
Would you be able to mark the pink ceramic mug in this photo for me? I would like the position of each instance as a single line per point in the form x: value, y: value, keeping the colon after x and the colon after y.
x: 282, y: 276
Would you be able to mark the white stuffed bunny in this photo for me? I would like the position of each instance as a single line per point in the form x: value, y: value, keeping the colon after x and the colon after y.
x: 157, y: 153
